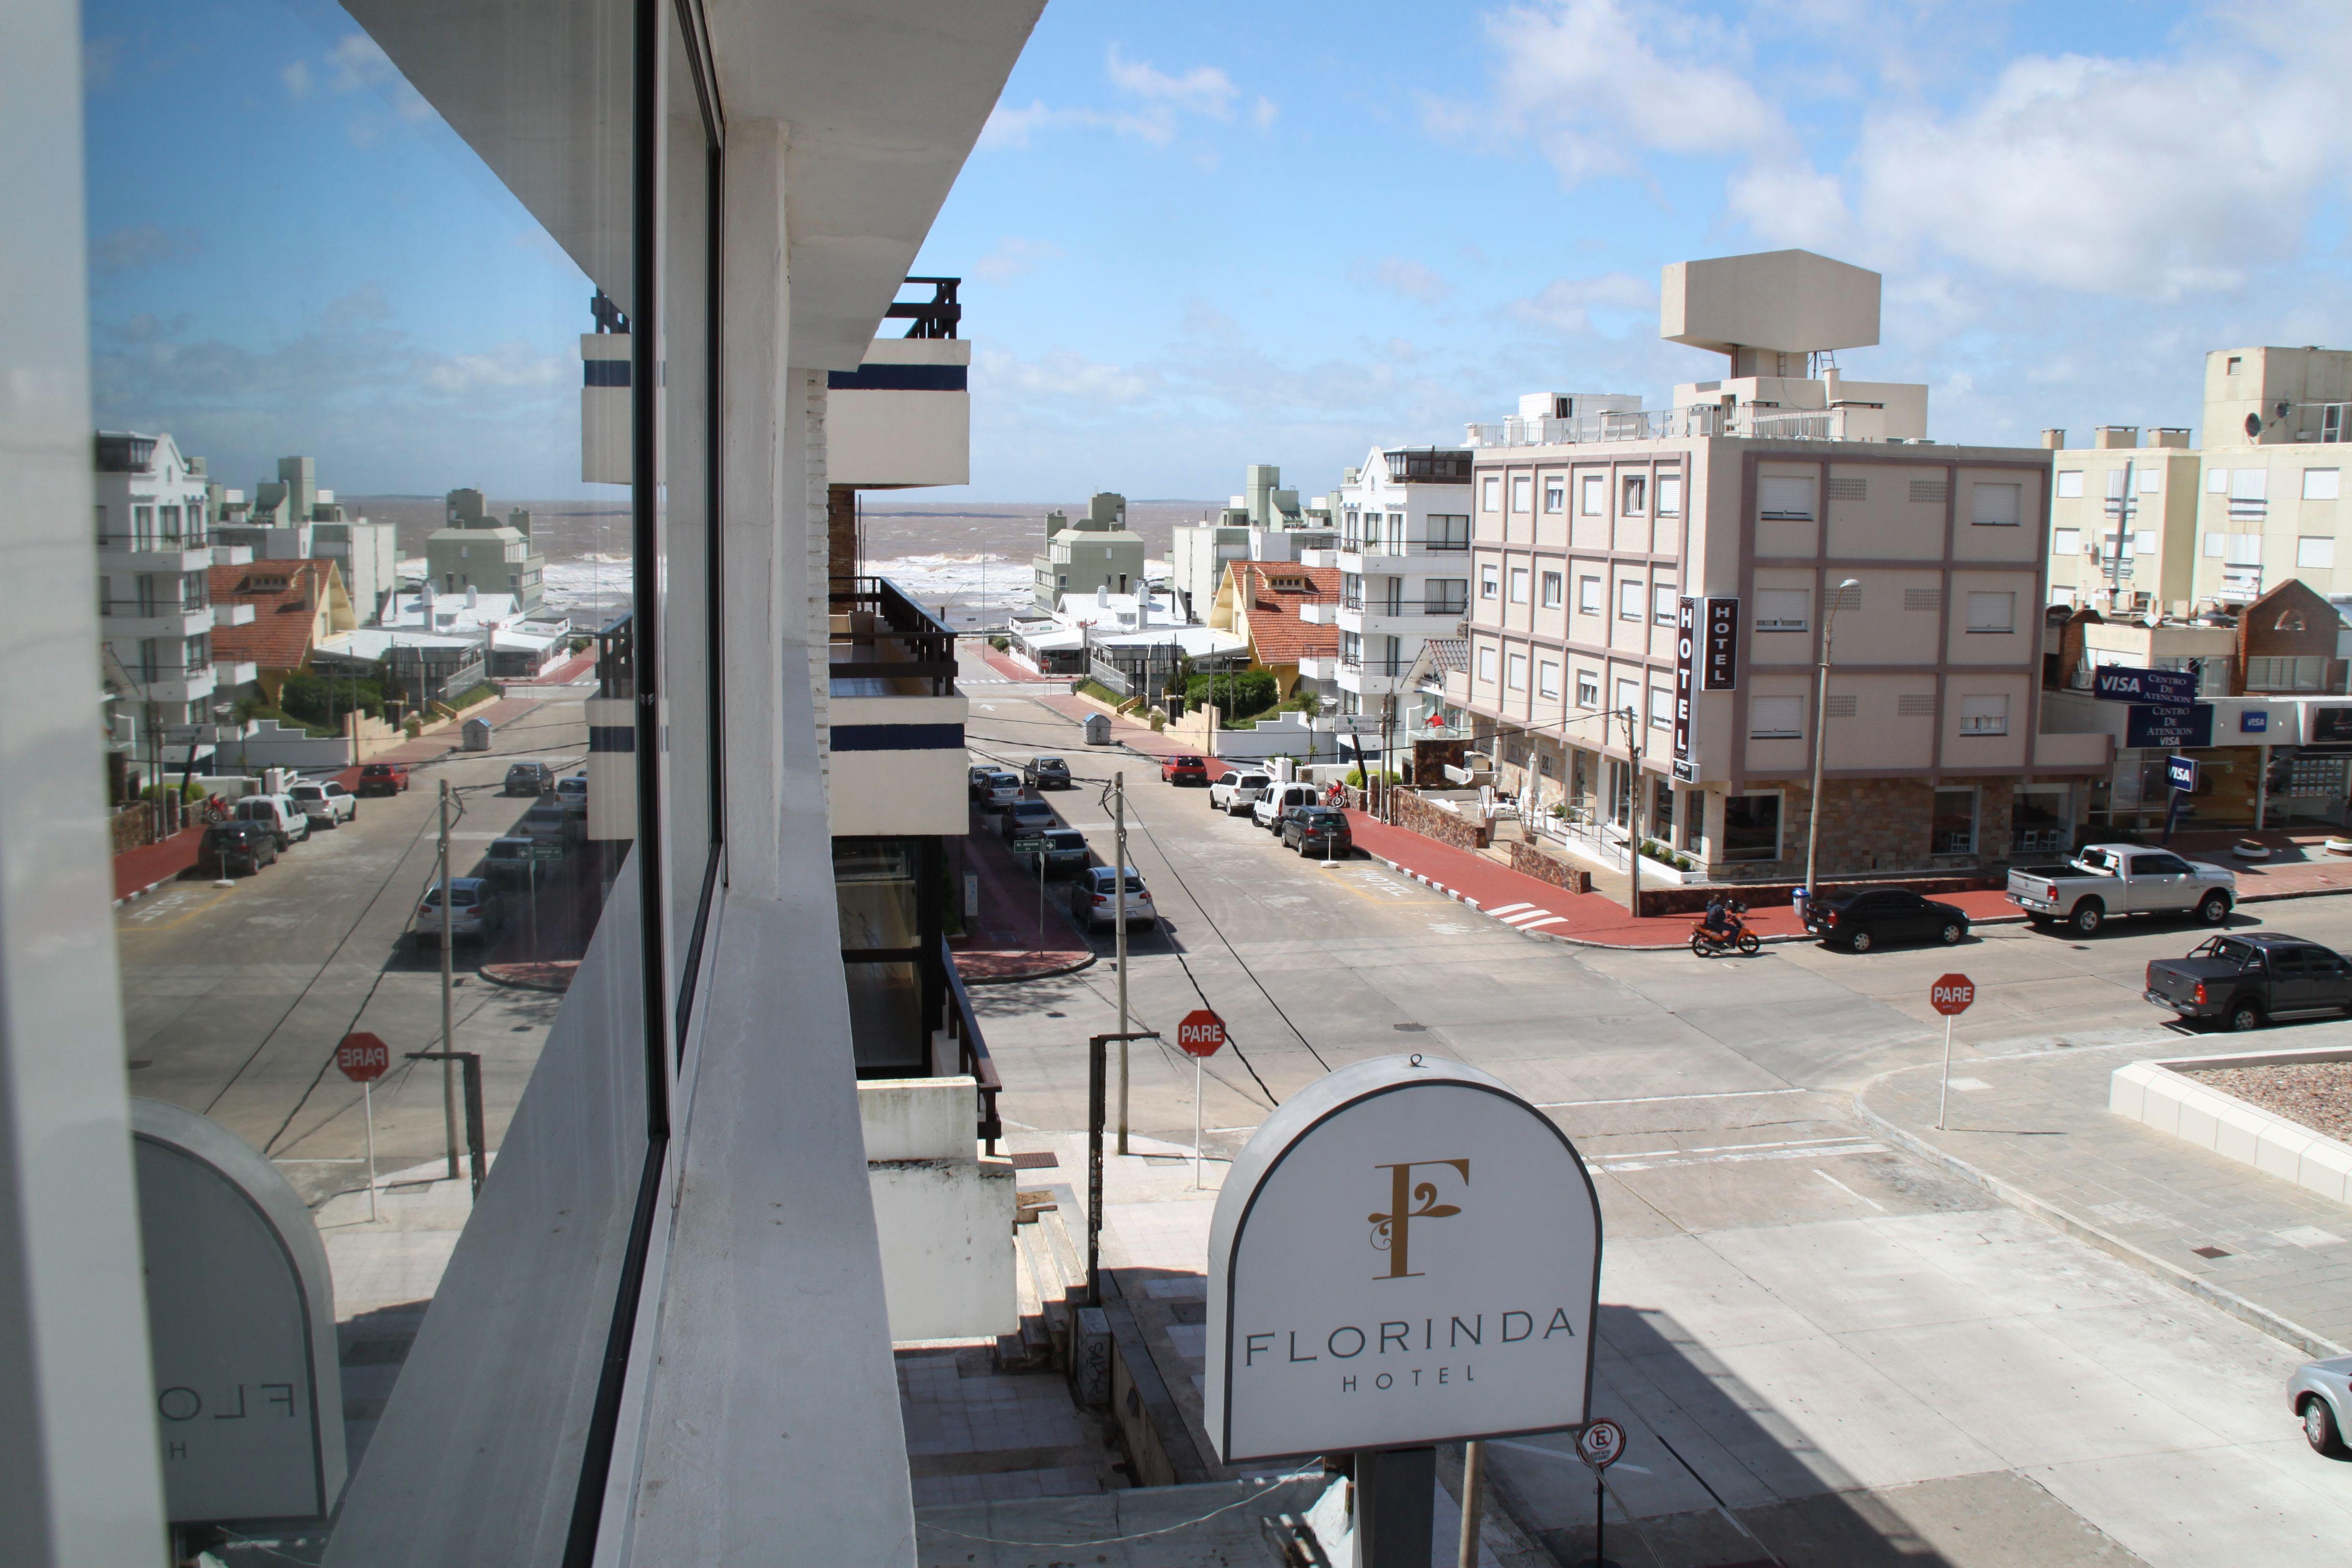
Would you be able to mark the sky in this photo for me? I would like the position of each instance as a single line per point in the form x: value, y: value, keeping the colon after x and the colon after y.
x: 1199, y: 236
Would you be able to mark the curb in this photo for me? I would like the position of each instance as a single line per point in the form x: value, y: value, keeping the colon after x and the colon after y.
x: 487, y: 973
x: 136, y: 894
x: 1086, y: 962
x: 2229, y: 1301
x: 1461, y: 898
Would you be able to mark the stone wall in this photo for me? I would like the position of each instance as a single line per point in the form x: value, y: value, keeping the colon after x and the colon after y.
x: 1435, y: 822
x: 1530, y: 861
x: 1881, y: 826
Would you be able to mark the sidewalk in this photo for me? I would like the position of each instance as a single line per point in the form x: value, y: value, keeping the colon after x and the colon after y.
x: 1007, y: 667
x: 1007, y: 941
x: 136, y: 871
x: 2036, y: 1132
x: 2298, y: 865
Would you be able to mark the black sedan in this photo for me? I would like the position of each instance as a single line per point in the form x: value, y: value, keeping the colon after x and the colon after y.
x: 1860, y: 921
x: 1317, y: 830
x: 233, y: 847
x: 1045, y: 773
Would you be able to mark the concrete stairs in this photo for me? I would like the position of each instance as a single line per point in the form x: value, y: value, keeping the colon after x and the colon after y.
x: 1049, y: 1271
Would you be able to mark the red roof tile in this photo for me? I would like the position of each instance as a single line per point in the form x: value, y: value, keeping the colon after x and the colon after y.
x: 285, y: 596
x: 1272, y: 592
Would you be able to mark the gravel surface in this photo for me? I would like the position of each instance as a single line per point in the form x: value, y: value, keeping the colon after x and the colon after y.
x: 2316, y: 1094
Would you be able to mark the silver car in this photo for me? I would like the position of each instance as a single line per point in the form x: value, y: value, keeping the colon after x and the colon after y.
x: 2320, y: 1393
x: 999, y: 789
x: 474, y: 911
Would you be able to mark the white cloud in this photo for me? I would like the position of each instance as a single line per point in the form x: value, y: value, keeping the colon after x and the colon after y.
x: 1014, y: 256
x: 1263, y: 112
x: 1059, y: 375
x: 297, y: 78
x: 1566, y: 304
x: 359, y: 61
x: 507, y: 366
x: 1158, y: 104
x: 1012, y: 127
x: 1204, y: 90
x: 1408, y: 278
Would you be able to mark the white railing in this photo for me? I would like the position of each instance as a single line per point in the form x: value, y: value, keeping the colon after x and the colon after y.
x: 1664, y: 424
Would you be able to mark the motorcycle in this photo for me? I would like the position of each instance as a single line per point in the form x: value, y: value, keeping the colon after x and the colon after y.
x: 1707, y: 942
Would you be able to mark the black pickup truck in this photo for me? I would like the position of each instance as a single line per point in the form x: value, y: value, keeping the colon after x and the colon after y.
x: 2246, y: 981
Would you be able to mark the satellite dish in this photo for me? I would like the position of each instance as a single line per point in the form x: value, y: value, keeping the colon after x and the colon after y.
x: 2281, y: 411
x: 2254, y: 424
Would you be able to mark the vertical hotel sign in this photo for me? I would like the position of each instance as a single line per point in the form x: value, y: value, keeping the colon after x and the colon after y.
x: 1707, y: 658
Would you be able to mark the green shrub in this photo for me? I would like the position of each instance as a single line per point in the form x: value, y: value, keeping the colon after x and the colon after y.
x: 1101, y: 693
x: 1356, y: 777
x: 999, y: 644
x: 1244, y: 694
x: 465, y: 699
x: 191, y: 790
x: 322, y: 700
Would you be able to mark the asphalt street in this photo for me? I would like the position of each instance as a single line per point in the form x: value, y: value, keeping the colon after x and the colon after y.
x: 1846, y: 1345
x: 235, y: 997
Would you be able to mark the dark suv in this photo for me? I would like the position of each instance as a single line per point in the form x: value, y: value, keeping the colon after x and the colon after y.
x: 2244, y: 980
x: 1318, y: 830
x: 232, y: 847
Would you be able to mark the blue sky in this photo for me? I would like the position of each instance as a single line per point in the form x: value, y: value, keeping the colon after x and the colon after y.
x: 1199, y: 236
x: 1202, y: 236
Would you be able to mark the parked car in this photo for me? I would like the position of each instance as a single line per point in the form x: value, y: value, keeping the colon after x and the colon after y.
x: 999, y: 789
x: 549, y: 823
x: 382, y: 778
x: 572, y: 792
x: 977, y: 776
x: 2245, y: 981
x: 1276, y: 799
x: 327, y: 805
x: 2109, y: 880
x: 1235, y: 790
x: 2320, y: 1393
x: 279, y: 815
x: 1094, y: 901
x: 1318, y: 830
x: 1860, y: 921
x: 1027, y: 819
x: 1064, y: 853
x: 475, y: 911
x: 228, y: 848
x: 509, y: 860
x: 529, y: 778
x: 1045, y: 773
x: 1184, y: 770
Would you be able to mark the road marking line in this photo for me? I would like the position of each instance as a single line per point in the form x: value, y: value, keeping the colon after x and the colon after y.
x: 1506, y: 909
x: 1547, y: 921
x: 1742, y: 1159
x: 1849, y: 1192
x: 1670, y: 1099
x: 1732, y: 1148
x: 1529, y: 918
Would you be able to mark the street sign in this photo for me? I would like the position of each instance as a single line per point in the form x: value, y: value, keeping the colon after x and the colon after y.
x: 546, y: 849
x: 1601, y: 1444
x: 2120, y: 683
x: 2181, y: 772
x: 1029, y: 844
x: 363, y: 1058
x: 1951, y: 995
x: 1203, y: 1032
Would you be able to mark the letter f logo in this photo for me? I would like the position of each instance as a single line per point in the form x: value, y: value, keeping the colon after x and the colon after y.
x: 1391, y: 1231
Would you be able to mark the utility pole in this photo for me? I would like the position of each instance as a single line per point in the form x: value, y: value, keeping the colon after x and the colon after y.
x: 2123, y: 528
x: 448, y: 1004
x: 1119, y: 836
x: 1821, y: 741
x: 1633, y: 816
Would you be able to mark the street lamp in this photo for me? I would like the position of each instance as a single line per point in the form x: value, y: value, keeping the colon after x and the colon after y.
x: 1821, y: 718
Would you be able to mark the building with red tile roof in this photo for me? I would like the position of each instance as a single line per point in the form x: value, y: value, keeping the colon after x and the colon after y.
x: 1261, y: 600
x: 295, y: 604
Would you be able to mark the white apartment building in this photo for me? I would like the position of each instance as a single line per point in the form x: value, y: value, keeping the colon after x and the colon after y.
x: 1403, y: 557
x: 1651, y: 595
x: 1265, y: 523
x: 291, y: 518
x: 155, y: 608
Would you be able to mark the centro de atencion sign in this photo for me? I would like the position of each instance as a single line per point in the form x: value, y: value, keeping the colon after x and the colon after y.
x: 1406, y: 1253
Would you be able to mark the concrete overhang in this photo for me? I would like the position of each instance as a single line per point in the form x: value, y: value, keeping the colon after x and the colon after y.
x: 883, y: 103
x: 1791, y: 300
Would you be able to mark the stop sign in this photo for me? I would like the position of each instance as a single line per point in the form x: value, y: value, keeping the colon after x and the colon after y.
x: 363, y: 1058
x: 1203, y: 1032
x: 1951, y: 995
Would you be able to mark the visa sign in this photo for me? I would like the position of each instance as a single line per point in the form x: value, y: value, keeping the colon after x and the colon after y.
x: 2119, y: 683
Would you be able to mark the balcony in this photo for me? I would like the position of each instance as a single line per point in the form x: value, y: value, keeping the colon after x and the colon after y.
x: 176, y: 682
x: 896, y: 716
x: 1319, y: 667
x: 1667, y: 425
x: 157, y: 618
x: 160, y: 552
x: 1375, y: 677
x: 1403, y: 618
x: 1374, y: 560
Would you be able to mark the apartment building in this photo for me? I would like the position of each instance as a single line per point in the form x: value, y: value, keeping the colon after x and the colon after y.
x: 1265, y: 523
x: 1098, y: 551
x: 291, y: 518
x: 1403, y: 557
x: 1653, y: 593
x: 475, y: 550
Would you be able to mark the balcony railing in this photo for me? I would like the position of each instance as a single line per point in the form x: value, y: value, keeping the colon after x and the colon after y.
x: 972, y: 1051
x: 937, y: 317
x: 152, y: 609
x: 897, y: 639
x: 154, y: 542
x: 1407, y: 606
x: 1664, y: 424
x: 1377, y: 665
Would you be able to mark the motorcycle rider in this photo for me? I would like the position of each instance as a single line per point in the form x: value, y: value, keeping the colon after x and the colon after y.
x: 1719, y: 916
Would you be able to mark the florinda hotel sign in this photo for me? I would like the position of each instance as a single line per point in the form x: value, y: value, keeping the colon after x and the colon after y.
x: 1406, y: 1253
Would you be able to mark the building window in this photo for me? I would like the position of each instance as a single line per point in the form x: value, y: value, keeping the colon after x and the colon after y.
x: 1775, y: 718
x: 1487, y: 664
x: 2249, y: 491
x: 2069, y: 483
x: 1553, y: 591
x: 2217, y: 482
x: 1522, y: 493
x: 1447, y: 597
x: 1636, y: 495
x: 1629, y: 600
x: 2316, y: 550
x: 1587, y: 689
x: 2320, y: 484
x: 1985, y: 715
x: 1751, y: 826
x: 1489, y: 582
x: 1448, y: 531
x: 1661, y: 707
x: 1592, y: 497
x: 2114, y: 488
x: 1995, y: 505
x: 1517, y: 666
x: 1670, y: 495
x: 1952, y: 823
x: 1519, y: 585
x: 2285, y: 674
x: 1992, y: 611
x: 2151, y: 480
x: 2235, y: 549
x: 1628, y: 696
x: 2233, y: 365
x: 2144, y: 541
x: 1588, y: 596
x: 1782, y: 609
x: 1664, y: 606
x: 1788, y: 498
x: 1490, y: 493
x: 1555, y: 493
x: 1548, y: 678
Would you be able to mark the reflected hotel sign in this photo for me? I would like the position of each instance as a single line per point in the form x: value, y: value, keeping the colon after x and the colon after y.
x: 1406, y: 1253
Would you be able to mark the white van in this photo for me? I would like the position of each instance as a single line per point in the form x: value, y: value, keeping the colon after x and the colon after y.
x: 279, y: 813
x: 1268, y: 809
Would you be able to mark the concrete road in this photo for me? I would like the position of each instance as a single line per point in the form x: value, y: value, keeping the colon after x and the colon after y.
x: 235, y: 997
x: 1864, y: 1361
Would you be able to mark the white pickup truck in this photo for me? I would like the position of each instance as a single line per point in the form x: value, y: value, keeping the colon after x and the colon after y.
x: 2109, y: 880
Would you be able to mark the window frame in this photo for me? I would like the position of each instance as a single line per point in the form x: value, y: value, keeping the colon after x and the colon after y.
x: 1551, y: 590
x: 1789, y: 732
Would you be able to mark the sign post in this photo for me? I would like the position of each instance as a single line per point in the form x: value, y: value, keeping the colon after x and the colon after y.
x: 1600, y: 1445
x: 1407, y: 1253
x: 1950, y: 996
x: 1097, y: 1105
x: 2181, y: 772
x: 1202, y: 1034
x: 363, y: 1058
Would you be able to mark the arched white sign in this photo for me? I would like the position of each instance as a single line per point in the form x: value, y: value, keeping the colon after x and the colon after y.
x: 1407, y: 1252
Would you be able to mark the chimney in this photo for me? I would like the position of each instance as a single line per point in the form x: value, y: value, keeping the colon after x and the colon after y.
x: 2053, y: 440
x: 1102, y: 596
x: 473, y: 596
x: 2107, y: 438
